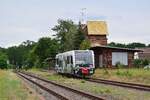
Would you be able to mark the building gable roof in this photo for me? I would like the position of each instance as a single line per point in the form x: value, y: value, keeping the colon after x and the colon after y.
x: 97, y: 28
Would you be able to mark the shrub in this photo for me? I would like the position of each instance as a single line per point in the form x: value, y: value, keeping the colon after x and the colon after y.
x: 3, y: 64
x: 9, y: 66
x: 124, y: 73
x: 145, y: 62
x: 138, y: 63
x: 106, y: 72
x: 82, y: 81
x: 119, y: 65
x: 141, y: 63
x: 127, y: 73
x: 118, y: 72
x: 108, y: 91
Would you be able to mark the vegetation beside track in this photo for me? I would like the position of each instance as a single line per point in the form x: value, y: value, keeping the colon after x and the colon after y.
x: 100, y: 89
x: 135, y: 75
x: 12, y: 88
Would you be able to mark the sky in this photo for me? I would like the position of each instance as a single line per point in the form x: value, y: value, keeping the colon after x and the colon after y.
x: 20, y: 20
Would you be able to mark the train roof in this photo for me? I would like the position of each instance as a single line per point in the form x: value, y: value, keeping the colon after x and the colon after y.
x: 71, y: 52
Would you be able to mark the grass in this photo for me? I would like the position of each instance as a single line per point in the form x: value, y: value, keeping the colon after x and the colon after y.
x: 111, y: 92
x: 135, y: 75
x: 12, y: 88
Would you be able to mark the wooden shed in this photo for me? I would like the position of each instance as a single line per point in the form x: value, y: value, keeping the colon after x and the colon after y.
x: 106, y: 56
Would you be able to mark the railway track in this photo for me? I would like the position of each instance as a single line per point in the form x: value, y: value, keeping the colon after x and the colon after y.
x: 141, y: 87
x: 60, y: 91
x: 121, y: 84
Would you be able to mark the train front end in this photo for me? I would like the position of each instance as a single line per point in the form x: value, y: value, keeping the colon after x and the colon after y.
x: 84, y: 63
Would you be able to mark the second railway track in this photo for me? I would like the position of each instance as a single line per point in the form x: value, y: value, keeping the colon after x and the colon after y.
x: 121, y: 84
x: 60, y: 91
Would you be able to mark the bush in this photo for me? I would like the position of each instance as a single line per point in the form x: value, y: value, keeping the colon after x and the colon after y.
x: 127, y: 73
x: 82, y: 81
x: 119, y: 65
x: 124, y: 73
x: 138, y: 63
x: 145, y: 62
x: 141, y: 63
x: 3, y: 64
x: 10, y: 66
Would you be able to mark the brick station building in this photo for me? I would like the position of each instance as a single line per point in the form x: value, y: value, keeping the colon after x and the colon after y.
x: 106, y: 56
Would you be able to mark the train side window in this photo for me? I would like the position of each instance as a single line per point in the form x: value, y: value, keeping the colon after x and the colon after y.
x: 68, y: 60
x: 71, y: 59
x: 60, y: 63
x: 57, y: 61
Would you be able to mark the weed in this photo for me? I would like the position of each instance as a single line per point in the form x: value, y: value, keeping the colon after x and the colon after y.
x: 124, y: 73
x: 107, y: 91
x: 119, y: 65
x: 82, y: 81
x: 118, y: 72
x: 128, y: 74
x: 106, y: 72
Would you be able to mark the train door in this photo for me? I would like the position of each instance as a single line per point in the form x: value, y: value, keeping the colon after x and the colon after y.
x: 64, y: 64
x: 69, y: 63
x: 59, y: 64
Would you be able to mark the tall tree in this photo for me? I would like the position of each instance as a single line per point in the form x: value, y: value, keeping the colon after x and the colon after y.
x: 136, y: 45
x: 45, y: 48
x: 3, y: 60
x: 80, y: 37
x: 14, y: 56
x: 86, y: 44
x: 18, y: 55
x: 129, y: 45
x: 65, y: 34
x: 113, y: 44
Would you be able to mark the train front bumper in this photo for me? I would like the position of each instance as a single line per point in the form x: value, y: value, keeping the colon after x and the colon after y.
x: 85, y: 71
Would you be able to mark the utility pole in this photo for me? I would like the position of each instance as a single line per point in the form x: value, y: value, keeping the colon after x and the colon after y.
x: 82, y: 15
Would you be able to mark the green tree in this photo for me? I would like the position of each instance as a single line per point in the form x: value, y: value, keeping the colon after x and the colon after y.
x: 31, y: 60
x: 113, y: 44
x: 136, y: 45
x: 145, y: 62
x: 86, y: 44
x: 80, y: 36
x: 3, y: 60
x: 129, y: 45
x: 65, y: 34
x: 14, y: 55
x: 138, y: 63
x: 45, y: 48
x: 18, y: 55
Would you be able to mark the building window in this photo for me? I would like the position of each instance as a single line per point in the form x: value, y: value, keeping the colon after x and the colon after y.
x: 121, y: 57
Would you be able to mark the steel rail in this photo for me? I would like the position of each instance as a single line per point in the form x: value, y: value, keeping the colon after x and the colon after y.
x: 44, y: 88
x: 121, y: 84
x: 85, y: 94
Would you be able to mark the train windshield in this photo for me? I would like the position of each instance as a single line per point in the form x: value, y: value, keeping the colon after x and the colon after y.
x: 83, y: 58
